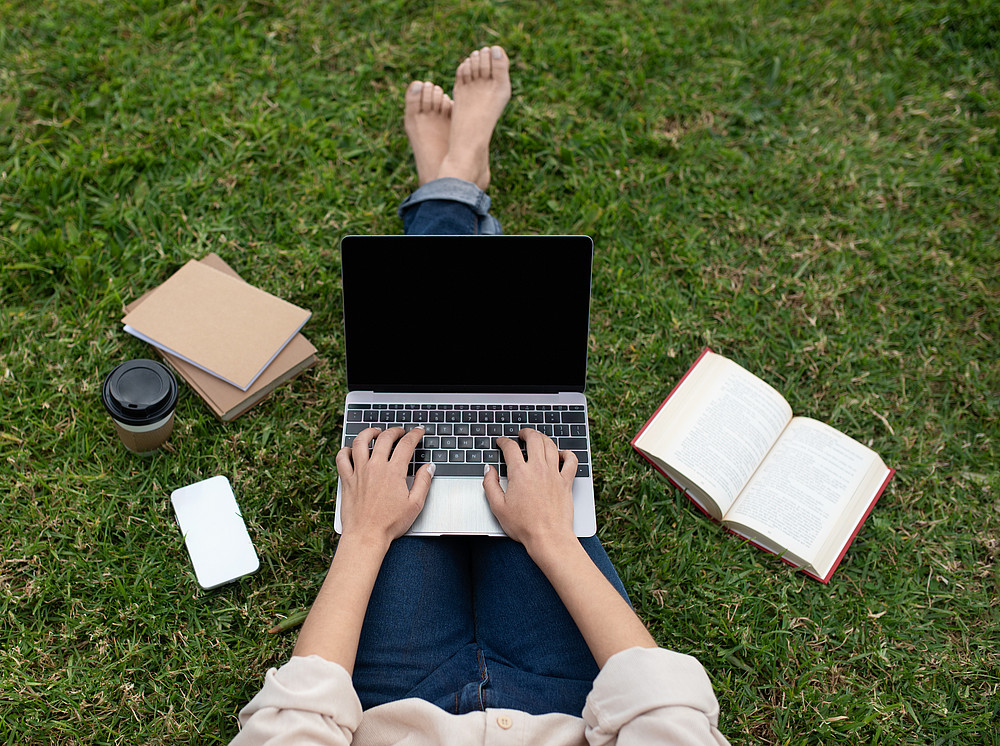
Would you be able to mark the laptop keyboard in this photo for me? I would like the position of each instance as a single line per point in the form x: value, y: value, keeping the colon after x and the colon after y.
x: 461, y: 438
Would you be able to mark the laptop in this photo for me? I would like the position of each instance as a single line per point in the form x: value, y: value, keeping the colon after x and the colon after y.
x: 471, y: 337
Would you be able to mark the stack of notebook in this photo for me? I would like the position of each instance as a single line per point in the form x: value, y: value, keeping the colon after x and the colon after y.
x: 233, y: 343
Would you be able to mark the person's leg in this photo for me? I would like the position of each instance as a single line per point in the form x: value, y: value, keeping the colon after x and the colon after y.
x: 418, y: 638
x: 450, y: 142
x: 482, y: 90
x: 427, y: 121
x: 536, y: 659
x: 418, y: 635
x: 448, y: 206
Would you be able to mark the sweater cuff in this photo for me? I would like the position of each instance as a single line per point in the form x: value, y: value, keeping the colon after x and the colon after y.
x: 668, y: 679
x: 309, y: 684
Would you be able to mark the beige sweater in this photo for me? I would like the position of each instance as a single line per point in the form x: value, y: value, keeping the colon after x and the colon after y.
x: 641, y: 696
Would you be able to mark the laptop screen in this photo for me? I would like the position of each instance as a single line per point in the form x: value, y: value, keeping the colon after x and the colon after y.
x: 466, y: 313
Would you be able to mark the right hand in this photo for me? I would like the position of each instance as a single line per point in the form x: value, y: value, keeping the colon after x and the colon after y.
x: 376, y: 503
x: 537, y: 506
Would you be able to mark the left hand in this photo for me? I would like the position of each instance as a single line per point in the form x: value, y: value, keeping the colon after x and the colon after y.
x: 375, y: 501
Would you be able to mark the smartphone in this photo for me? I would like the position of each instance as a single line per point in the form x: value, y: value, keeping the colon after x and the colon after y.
x: 214, y: 532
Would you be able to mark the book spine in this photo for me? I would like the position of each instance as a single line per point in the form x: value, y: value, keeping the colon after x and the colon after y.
x: 676, y: 484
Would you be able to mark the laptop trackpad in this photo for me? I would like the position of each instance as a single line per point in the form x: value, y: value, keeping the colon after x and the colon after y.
x: 457, y: 506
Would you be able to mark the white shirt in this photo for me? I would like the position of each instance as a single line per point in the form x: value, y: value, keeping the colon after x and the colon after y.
x: 641, y: 696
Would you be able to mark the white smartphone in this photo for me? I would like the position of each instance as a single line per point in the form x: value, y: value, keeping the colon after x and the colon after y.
x: 214, y: 532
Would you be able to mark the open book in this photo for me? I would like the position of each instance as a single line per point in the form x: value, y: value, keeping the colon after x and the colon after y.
x: 791, y: 485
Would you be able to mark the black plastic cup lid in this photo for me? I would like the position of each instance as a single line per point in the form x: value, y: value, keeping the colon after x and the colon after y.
x: 139, y: 392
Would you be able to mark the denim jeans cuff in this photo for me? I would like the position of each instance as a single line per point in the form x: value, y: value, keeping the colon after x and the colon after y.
x: 453, y: 190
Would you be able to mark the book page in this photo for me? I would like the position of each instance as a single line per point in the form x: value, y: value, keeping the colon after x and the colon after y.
x: 717, y: 427
x: 804, y: 488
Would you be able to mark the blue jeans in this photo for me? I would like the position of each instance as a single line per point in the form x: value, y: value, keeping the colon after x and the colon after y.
x: 470, y: 622
x: 448, y: 207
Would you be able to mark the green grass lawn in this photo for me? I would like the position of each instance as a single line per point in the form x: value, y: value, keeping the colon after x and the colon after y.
x: 812, y: 188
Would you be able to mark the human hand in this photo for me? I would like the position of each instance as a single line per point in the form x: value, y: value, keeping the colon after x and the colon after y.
x: 537, y: 507
x: 375, y: 500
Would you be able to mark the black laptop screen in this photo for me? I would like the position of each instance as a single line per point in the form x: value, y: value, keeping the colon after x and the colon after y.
x: 466, y: 313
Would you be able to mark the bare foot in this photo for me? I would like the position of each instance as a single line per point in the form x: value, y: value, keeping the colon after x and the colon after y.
x: 482, y: 90
x: 427, y: 120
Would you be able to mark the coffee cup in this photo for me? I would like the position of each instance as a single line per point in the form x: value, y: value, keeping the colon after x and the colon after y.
x: 140, y: 395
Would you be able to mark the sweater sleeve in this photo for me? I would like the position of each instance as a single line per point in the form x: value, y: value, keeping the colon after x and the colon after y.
x: 652, y: 695
x: 306, y: 701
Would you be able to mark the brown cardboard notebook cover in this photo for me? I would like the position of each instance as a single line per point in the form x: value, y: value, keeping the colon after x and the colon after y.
x: 226, y: 401
x: 216, y: 322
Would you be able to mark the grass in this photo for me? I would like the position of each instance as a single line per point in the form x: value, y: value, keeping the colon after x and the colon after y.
x: 811, y: 188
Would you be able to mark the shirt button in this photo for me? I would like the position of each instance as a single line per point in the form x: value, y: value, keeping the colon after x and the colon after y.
x: 504, y: 722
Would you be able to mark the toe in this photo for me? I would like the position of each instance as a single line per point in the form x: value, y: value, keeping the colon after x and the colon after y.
x: 474, y: 65
x: 413, y: 94
x: 464, y: 72
x: 484, y: 62
x: 427, y: 96
x: 436, y: 98
x: 499, y: 61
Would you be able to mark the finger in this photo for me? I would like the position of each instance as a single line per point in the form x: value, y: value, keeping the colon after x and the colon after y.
x: 384, y: 442
x: 534, y: 442
x: 551, y: 450
x: 510, y: 450
x: 422, y: 482
x: 359, y: 451
x: 569, y: 464
x: 407, y: 445
x: 491, y: 484
x: 344, y: 466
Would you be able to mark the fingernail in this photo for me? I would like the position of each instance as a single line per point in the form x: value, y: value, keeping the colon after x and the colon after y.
x: 431, y: 468
x: 416, y: 85
x: 497, y: 53
x: 486, y: 470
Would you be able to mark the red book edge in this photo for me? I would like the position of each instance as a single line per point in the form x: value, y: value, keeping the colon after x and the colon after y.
x: 850, y: 540
x: 663, y: 403
x: 825, y: 580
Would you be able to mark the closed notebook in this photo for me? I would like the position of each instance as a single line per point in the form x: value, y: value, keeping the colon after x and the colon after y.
x: 225, y: 400
x: 228, y: 402
x: 217, y: 323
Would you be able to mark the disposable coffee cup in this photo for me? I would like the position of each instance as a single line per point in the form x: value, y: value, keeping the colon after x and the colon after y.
x: 140, y: 395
